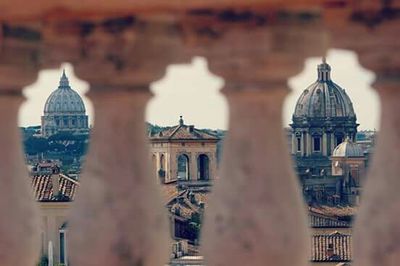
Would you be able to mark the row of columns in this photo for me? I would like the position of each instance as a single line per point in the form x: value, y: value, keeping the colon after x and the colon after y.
x: 255, y: 213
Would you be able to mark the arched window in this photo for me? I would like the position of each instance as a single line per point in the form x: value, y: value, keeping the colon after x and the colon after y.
x: 203, y: 167
x: 162, y: 162
x: 154, y: 163
x: 316, y: 143
x: 183, y: 167
x: 298, y: 143
x: 63, y: 244
x: 161, y: 170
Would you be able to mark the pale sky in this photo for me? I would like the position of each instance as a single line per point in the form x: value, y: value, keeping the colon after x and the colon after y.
x: 192, y: 91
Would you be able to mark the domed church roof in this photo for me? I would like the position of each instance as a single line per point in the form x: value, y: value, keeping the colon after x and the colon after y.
x: 324, y: 98
x: 64, y: 99
x: 347, y: 149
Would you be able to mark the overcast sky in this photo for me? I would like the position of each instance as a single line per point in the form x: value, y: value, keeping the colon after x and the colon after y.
x: 192, y: 91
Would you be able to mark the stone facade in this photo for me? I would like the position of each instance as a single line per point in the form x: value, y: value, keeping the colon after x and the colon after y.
x: 322, y: 119
x: 64, y: 111
x: 183, y: 153
x: 54, y: 230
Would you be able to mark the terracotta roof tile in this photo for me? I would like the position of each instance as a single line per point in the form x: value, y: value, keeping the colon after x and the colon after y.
x: 42, y: 187
x: 341, y: 245
x: 321, y: 221
x: 336, y: 211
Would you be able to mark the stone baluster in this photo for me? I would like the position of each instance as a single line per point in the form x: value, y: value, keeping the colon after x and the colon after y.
x: 118, y: 217
x: 377, y: 223
x: 377, y: 227
x: 256, y: 213
x: 19, y: 223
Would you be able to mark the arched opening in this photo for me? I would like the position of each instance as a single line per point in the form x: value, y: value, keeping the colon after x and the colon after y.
x: 162, y: 162
x: 56, y: 120
x: 154, y: 163
x: 161, y: 170
x: 203, y: 167
x: 183, y: 167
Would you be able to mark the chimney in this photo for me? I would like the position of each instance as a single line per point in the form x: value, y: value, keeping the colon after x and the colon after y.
x: 191, y: 128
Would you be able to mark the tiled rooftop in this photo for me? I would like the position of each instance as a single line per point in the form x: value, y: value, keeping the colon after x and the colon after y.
x: 42, y: 186
x: 183, y: 132
x: 321, y: 221
x: 334, y: 211
x: 340, y: 243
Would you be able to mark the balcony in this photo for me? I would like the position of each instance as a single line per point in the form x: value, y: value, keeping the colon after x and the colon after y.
x: 255, y: 214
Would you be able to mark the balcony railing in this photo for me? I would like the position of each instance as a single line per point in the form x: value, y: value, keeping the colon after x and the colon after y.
x: 255, y: 215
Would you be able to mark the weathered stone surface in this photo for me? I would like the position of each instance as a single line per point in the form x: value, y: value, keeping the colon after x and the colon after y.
x: 76, y: 9
x: 377, y: 227
x: 256, y: 214
x: 118, y: 217
x: 19, y: 223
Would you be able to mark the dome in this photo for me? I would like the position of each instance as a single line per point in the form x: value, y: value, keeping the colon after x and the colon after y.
x: 324, y: 98
x: 347, y: 149
x: 64, y: 99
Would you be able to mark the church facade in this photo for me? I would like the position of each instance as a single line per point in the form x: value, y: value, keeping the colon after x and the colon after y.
x: 328, y: 161
x: 64, y: 111
x: 322, y: 119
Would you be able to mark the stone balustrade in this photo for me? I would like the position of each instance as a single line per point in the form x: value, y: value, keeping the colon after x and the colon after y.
x: 19, y: 225
x: 255, y: 216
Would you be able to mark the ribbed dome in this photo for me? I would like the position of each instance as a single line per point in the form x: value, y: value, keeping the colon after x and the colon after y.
x: 347, y: 149
x: 324, y: 98
x: 64, y: 99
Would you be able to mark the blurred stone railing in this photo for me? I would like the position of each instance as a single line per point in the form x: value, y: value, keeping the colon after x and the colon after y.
x: 256, y: 215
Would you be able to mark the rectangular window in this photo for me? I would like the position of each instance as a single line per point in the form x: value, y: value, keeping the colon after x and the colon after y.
x: 317, y: 144
x: 298, y: 144
x: 62, y: 247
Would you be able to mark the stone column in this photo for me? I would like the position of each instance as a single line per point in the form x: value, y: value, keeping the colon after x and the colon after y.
x: 377, y: 227
x: 377, y: 224
x: 308, y: 144
x: 256, y: 213
x: 324, y: 144
x: 332, y: 142
x: 19, y: 223
x: 294, y: 144
x: 118, y: 217
x: 193, y: 167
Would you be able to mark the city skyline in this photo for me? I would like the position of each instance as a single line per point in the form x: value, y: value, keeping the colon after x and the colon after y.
x: 181, y: 92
